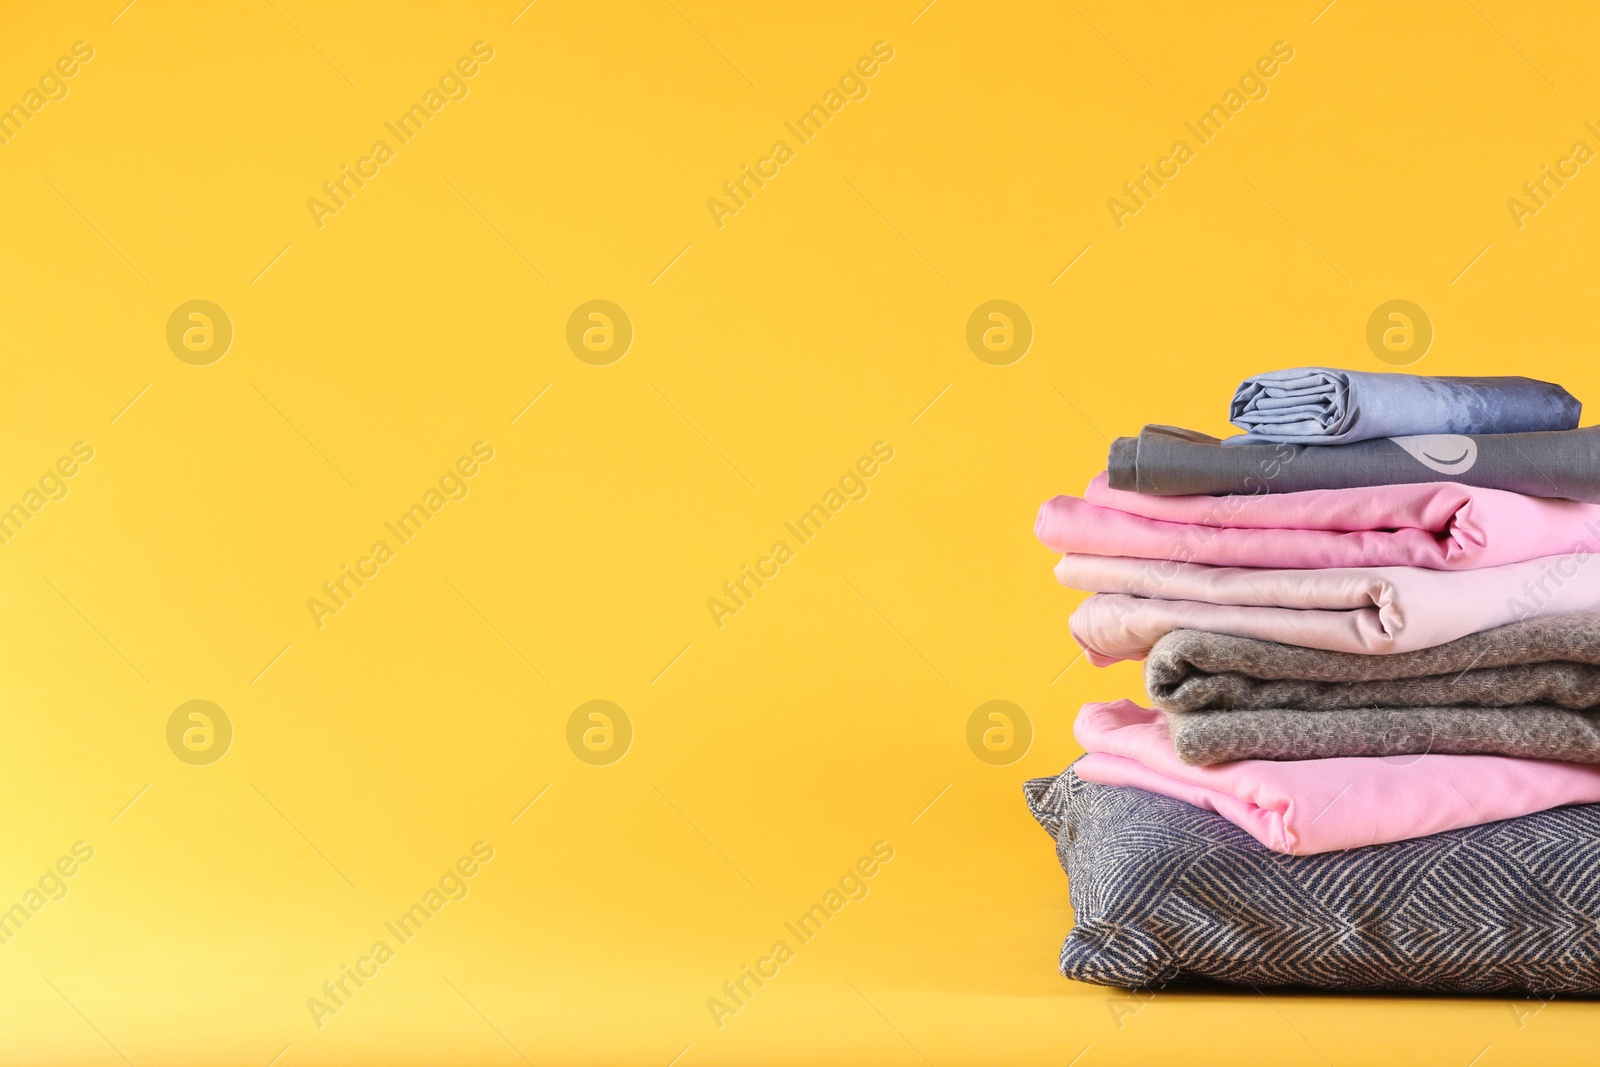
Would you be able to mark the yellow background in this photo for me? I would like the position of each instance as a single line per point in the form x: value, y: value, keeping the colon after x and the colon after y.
x: 768, y: 355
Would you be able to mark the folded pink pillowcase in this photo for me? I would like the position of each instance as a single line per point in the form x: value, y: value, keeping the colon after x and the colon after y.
x: 1440, y: 526
x: 1308, y: 806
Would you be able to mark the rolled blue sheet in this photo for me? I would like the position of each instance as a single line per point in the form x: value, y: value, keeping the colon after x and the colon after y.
x: 1322, y: 406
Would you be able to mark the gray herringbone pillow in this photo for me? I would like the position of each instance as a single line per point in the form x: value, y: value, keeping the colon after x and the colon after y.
x: 1164, y: 891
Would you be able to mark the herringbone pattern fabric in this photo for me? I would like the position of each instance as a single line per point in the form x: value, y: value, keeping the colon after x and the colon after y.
x: 1164, y: 891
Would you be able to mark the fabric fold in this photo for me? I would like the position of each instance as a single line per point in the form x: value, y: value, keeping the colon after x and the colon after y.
x: 1325, y: 406
x: 1168, y: 461
x: 1437, y: 526
x: 1312, y: 806
x: 1163, y: 892
x: 1549, y: 659
x: 1365, y: 610
x: 1526, y: 731
x: 1529, y: 689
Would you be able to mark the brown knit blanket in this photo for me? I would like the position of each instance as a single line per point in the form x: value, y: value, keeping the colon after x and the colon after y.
x: 1528, y: 689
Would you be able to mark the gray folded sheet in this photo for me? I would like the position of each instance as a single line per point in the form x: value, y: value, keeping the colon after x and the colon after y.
x: 1168, y: 461
x: 1530, y: 689
x: 1530, y: 731
x: 1164, y: 892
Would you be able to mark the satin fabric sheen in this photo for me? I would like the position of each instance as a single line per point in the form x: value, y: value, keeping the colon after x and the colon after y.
x: 1439, y: 526
x: 1354, y: 609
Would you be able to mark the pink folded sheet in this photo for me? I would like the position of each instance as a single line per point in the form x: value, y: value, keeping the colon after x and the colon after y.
x: 1441, y: 526
x: 1359, y: 609
x: 1323, y: 805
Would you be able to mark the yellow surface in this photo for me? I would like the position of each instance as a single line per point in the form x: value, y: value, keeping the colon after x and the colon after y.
x: 771, y: 348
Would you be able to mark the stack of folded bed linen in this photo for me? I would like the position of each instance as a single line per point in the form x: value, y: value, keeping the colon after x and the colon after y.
x: 1370, y: 626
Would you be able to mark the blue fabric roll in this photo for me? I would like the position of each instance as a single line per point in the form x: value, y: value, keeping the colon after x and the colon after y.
x: 1322, y: 406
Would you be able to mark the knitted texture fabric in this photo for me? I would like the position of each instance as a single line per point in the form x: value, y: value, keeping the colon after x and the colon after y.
x: 1163, y: 891
x: 1532, y: 731
x: 1546, y: 659
x: 1529, y: 689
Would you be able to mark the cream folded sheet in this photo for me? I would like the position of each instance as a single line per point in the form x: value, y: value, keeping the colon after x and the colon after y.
x: 1352, y: 609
